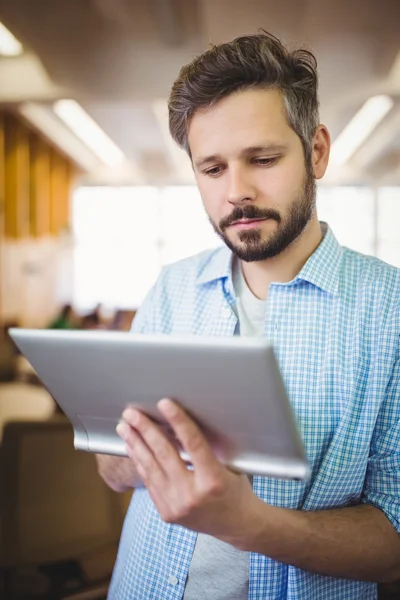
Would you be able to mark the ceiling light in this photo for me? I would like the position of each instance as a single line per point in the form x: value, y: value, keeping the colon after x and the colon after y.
x: 44, y: 120
x: 9, y: 45
x: 359, y: 128
x: 87, y: 130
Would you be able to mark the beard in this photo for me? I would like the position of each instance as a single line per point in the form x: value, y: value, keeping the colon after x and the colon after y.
x: 252, y: 246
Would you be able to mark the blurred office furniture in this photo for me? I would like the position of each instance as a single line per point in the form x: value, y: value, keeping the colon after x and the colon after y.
x: 389, y: 591
x: 93, y: 319
x: 25, y: 373
x: 60, y: 524
x: 65, y: 319
x: 8, y: 355
x: 122, y: 320
x: 23, y: 401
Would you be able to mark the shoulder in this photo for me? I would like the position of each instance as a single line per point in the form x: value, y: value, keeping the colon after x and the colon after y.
x: 371, y: 276
x: 192, y: 268
x: 371, y: 292
x: 175, y: 290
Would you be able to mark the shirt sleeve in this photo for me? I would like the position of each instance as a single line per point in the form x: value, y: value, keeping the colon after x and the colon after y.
x: 148, y: 318
x: 141, y: 318
x: 382, y: 483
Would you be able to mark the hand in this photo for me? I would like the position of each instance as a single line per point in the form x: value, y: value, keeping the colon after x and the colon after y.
x: 210, y: 498
x: 118, y: 472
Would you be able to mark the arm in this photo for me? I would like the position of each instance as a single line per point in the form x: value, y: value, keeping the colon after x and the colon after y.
x: 356, y: 542
x: 359, y: 542
x: 118, y: 472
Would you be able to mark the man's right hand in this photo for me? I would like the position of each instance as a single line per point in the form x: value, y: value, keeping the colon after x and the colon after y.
x: 118, y: 472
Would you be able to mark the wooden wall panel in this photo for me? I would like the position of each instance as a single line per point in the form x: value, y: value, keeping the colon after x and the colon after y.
x: 71, y: 182
x: 37, y: 183
x: 39, y: 187
x: 2, y: 159
x: 35, y: 193
x: 2, y: 208
x: 60, y: 192
x: 16, y: 179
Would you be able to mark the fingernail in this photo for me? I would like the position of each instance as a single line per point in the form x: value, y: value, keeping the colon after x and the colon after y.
x: 130, y: 415
x: 167, y: 407
x: 123, y: 430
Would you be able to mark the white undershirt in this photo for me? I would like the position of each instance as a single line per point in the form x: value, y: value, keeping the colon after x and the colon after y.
x: 250, y: 309
x: 219, y: 571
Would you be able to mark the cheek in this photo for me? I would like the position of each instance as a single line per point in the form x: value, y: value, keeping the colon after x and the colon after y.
x: 280, y: 186
x: 212, y: 195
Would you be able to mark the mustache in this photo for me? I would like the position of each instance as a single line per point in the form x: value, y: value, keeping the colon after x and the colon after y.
x: 249, y: 212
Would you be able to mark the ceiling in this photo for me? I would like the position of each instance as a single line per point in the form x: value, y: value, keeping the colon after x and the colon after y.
x: 119, y: 58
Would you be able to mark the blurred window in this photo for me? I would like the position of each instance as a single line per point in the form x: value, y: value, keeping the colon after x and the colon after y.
x: 116, y: 258
x: 184, y: 226
x: 124, y: 235
x: 388, y: 235
x: 350, y: 214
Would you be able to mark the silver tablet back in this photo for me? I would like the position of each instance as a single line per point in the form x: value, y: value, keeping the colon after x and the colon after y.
x: 231, y: 386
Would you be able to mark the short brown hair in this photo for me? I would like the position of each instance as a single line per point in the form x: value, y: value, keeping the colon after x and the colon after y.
x: 251, y: 61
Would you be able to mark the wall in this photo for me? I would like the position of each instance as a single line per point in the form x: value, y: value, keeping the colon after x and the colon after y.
x: 36, y: 279
x: 35, y: 251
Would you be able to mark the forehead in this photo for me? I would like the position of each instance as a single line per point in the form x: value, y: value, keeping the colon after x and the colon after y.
x: 245, y: 118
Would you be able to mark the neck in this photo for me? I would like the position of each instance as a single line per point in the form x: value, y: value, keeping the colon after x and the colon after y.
x: 285, y: 266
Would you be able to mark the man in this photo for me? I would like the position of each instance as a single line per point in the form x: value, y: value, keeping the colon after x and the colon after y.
x: 247, y: 114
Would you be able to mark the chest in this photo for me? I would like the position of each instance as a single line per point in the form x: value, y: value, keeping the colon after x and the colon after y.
x: 324, y: 346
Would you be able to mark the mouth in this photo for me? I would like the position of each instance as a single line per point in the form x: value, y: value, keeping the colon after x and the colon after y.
x: 246, y: 223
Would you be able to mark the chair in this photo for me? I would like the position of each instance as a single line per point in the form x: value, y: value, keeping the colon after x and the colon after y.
x: 54, y: 506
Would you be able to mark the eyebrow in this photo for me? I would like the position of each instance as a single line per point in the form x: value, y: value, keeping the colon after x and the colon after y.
x: 270, y: 148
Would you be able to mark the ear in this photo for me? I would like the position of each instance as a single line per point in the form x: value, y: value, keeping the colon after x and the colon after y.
x: 320, y: 151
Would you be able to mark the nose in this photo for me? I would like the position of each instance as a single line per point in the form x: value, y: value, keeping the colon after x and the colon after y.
x: 239, y: 186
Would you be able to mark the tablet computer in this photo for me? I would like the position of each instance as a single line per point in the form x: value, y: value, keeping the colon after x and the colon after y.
x: 231, y: 386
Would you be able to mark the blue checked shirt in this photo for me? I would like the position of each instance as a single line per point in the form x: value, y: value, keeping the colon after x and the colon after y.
x: 335, y: 329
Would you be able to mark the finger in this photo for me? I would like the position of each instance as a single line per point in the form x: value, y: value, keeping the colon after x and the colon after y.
x: 190, y: 436
x: 126, y: 433
x: 162, y: 448
x: 145, y: 462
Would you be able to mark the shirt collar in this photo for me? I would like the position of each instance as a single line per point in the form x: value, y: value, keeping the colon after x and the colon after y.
x: 218, y: 267
x: 321, y: 269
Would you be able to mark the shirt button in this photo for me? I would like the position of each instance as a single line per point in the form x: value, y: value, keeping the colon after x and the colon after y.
x: 173, y: 580
x: 276, y: 325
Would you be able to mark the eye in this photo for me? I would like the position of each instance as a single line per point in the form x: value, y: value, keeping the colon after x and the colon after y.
x: 213, y: 171
x: 265, y: 161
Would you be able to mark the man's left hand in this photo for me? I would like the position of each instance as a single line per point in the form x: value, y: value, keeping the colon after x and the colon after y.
x: 210, y: 498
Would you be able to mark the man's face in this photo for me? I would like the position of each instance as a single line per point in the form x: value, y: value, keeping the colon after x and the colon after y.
x: 250, y: 169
